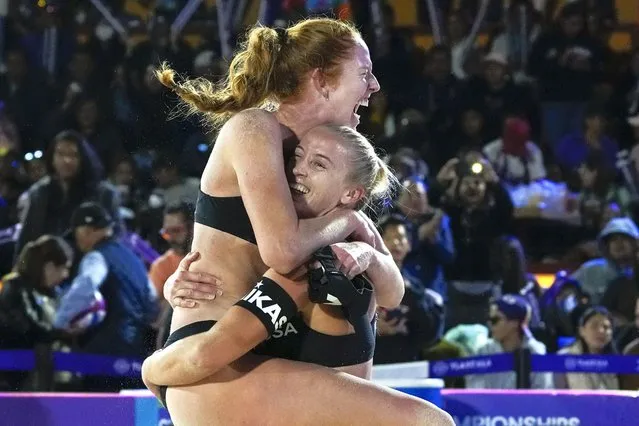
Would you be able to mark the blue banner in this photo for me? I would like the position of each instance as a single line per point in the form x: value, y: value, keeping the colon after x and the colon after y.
x: 616, y: 364
x: 103, y: 365
x: 536, y: 408
x: 97, y: 365
x: 17, y: 360
x: 88, y: 364
x: 472, y: 365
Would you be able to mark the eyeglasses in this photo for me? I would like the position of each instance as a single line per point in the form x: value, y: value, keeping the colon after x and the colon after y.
x: 494, y: 320
x: 167, y: 233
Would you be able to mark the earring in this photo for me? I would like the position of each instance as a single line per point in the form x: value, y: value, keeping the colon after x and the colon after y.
x: 326, y: 95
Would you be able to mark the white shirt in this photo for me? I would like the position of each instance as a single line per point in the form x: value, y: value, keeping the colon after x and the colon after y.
x: 512, y: 168
x: 508, y: 380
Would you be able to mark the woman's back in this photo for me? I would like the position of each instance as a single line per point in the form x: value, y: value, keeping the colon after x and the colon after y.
x: 235, y: 261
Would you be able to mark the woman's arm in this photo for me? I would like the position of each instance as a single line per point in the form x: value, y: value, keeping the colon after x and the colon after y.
x: 256, y: 154
x: 196, y: 357
x: 356, y: 258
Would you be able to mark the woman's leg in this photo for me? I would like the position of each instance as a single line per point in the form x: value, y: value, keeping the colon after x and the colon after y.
x: 281, y: 392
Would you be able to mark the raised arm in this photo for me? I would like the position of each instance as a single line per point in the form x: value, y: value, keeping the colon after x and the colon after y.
x: 262, y: 311
x: 382, y: 271
x: 257, y: 156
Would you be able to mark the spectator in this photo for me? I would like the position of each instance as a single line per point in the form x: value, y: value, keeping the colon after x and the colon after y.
x: 431, y: 240
x: 171, y: 186
x: 630, y: 381
x: 566, y: 62
x: 74, y: 176
x: 620, y: 299
x: 588, y: 249
x: 461, y: 44
x: 125, y: 179
x: 469, y: 135
x: 514, y: 156
x: 412, y: 132
x: 406, y: 163
x: 159, y: 47
x: 509, y: 316
x: 25, y: 96
x: 514, y: 45
x: 91, y: 120
x: 560, y: 306
x: 437, y: 94
x: 511, y: 272
x: 27, y: 299
x: 494, y: 92
x: 480, y: 211
x: 177, y: 230
x: 575, y: 147
x: 618, y: 245
x: 594, y: 337
x: 418, y: 321
x: 628, y: 333
x: 598, y: 191
x: 379, y: 121
x: 113, y: 270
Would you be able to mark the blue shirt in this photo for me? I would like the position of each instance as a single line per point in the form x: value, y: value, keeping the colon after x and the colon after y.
x: 92, y: 273
x: 573, y: 150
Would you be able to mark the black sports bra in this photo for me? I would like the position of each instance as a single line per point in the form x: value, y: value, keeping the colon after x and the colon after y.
x: 227, y: 214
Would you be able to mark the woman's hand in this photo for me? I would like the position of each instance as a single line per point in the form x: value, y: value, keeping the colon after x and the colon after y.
x: 430, y: 231
x: 448, y: 173
x: 186, y: 289
x: 365, y: 230
x: 353, y: 258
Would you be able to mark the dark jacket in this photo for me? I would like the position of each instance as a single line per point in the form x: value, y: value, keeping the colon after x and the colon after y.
x: 559, y: 83
x: 474, y: 233
x: 131, y: 304
x: 44, y: 212
x: 421, y: 320
x: 24, y: 317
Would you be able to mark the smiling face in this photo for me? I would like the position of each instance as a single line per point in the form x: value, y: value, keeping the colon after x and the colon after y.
x: 353, y: 88
x: 319, y: 174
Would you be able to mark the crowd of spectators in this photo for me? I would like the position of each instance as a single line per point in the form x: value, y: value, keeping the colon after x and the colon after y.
x: 515, y: 154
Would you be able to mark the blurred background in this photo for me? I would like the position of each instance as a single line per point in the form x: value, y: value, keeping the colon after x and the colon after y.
x: 526, y: 240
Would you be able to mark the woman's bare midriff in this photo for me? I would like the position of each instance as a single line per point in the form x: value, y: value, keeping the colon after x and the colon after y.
x: 235, y: 262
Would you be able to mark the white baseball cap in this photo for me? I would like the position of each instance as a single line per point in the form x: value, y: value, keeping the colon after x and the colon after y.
x: 634, y: 120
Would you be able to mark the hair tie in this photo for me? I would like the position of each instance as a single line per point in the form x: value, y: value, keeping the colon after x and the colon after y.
x: 282, y: 35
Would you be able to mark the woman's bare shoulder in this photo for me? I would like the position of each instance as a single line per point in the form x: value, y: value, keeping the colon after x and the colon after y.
x: 251, y: 121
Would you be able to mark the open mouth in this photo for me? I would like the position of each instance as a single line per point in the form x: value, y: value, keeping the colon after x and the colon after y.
x: 363, y: 103
x: 298, y: 188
